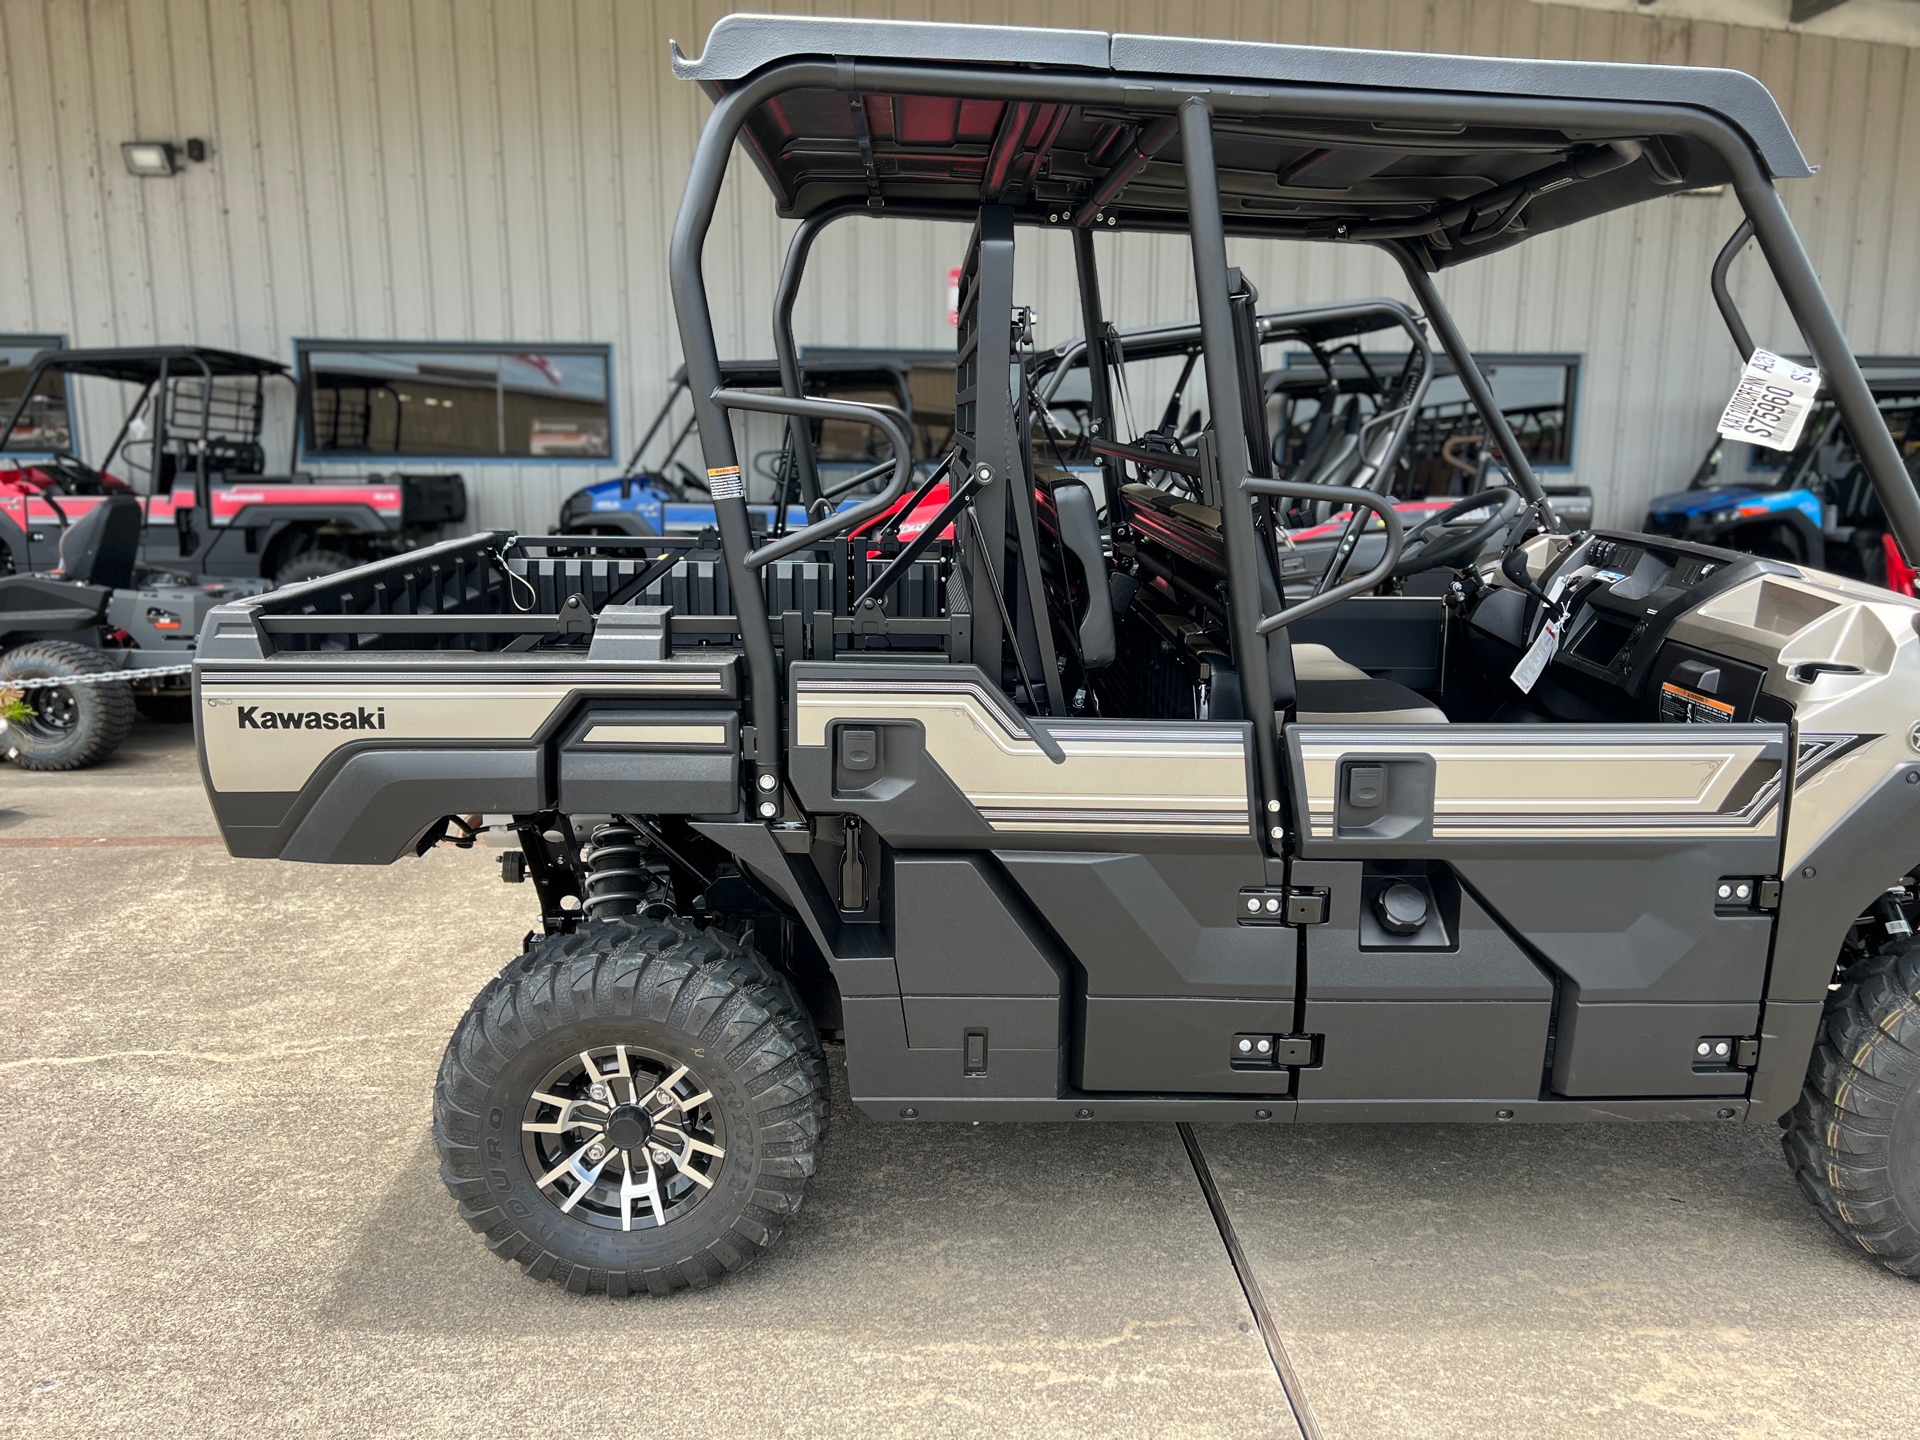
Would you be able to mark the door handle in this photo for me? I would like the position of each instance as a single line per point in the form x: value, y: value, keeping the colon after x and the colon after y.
x: 1384, y: 797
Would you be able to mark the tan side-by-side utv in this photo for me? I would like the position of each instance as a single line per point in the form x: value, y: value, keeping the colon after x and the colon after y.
x: 1072, y: 800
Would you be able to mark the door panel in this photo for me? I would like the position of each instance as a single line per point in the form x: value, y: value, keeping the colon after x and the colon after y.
x: 1133, y: 859
x: 1159, y: 925
x: 1184, y: 1047
x: 1426, y: 1050
x: 1172, y: 967
x: 1495, y: 783
x: 955, y: 735
x: 1453, y: 1010
x: 1612, y: 853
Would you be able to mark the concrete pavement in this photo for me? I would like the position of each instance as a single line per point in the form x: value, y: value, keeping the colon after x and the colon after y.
x: 215, y: 1080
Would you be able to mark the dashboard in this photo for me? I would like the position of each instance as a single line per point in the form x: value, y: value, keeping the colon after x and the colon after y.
x: 1615, y: 658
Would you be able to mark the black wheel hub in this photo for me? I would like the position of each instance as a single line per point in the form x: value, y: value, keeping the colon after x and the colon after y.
x: 629, y: 1126
x: 55, y: 711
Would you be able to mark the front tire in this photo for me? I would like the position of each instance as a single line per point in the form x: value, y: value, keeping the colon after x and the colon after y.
x: 678, y: 1156
x: 67, y: 727
x: 1853, y: 1140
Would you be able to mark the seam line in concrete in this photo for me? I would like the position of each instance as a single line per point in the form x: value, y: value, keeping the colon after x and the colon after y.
x: 83, y: 842
x: 1303, y: 1415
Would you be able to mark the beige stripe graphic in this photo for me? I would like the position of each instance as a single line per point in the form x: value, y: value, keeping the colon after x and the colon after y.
x: 656, y: 735
x: 1120, y: 778
x: 1690, y: 781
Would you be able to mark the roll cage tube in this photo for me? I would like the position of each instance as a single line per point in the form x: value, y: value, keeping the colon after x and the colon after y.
x: 1778, y: 242
x: 1723, y: 297
x: 881, y: 417
x: 1359, y: 499
x: 1093, y: 322
x: 1793, y: 272
x: 1208, y: 237
x: 788, y: 354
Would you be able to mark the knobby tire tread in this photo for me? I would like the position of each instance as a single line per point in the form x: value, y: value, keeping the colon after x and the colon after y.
x: 105, y: 715
x: 1839, y: 1138
x: 703, y: 982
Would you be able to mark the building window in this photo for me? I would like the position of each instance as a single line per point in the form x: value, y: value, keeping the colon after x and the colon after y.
x: 45, y: 425
x: 395, y: 401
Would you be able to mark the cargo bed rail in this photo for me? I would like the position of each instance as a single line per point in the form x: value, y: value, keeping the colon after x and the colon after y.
x: 497, y: 592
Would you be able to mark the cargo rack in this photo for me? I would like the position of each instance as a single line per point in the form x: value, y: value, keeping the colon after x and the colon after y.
x: 497, y: 591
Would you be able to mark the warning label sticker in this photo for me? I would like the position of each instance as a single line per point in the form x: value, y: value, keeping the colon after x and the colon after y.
x: 1685, y: 707
x: 724, y: 483
x: 1771, y: 403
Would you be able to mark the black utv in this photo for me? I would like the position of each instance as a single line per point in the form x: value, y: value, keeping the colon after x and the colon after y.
x: 1054, y: 816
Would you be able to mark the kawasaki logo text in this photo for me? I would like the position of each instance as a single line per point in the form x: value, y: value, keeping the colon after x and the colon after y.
x: 252, y: 718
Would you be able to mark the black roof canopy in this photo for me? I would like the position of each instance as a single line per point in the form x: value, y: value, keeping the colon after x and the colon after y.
x: 141, y: 364
x: 1463, y: 155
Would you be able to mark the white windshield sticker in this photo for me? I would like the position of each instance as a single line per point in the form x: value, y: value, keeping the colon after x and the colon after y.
x: 1528, y: 671
x: 1771, y: 403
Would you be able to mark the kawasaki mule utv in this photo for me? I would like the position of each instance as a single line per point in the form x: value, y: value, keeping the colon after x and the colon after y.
x: 1051, y: 821
x: 191, y: 439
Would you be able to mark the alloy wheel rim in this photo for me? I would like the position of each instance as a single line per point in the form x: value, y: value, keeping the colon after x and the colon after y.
x: 623, y: 1138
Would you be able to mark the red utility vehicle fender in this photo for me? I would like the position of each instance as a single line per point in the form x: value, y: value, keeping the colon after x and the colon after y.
x: 25, y: 503
x: 229, y: 501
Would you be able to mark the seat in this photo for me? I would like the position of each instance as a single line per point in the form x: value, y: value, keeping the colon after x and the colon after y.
x: 1365, y: 701
x: 1317, y: 662
x: 100, y: 547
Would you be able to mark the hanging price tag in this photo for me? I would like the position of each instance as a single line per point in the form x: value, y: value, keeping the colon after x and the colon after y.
x: 1771, y: 403
x: 1532, y: 664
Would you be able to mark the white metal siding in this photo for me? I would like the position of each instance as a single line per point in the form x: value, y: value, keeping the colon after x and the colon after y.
x: 509, y: 170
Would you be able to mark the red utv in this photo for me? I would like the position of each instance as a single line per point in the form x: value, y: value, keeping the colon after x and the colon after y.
x: 189, y: 448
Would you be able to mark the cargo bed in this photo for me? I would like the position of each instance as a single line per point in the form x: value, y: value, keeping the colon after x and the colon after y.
x: 347, y: 720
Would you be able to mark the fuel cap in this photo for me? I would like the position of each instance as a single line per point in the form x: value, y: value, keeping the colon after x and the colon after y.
x: 1401, y: 908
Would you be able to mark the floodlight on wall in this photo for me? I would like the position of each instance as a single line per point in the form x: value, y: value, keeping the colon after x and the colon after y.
x: 149, y: 157
x: 160, y: 157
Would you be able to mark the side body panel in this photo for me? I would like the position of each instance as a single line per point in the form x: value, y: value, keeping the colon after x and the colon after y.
x: 348, y: 758
x: 1133, y: 854
x: 1456, y: 1011
x: 1603, y: 852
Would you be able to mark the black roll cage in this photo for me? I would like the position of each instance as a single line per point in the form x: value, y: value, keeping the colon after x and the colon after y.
x: 1194, y: 105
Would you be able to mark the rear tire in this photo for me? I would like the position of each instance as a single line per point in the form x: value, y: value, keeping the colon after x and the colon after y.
x: 312, y: 565
x: 514, y: 1121
x: 70, y: 727
x: 1853, y: 1140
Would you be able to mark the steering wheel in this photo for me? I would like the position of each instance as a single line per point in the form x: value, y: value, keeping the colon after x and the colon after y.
x: 1425, y: 549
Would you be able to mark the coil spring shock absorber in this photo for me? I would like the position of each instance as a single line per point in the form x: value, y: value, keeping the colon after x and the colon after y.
x: 618, y: 881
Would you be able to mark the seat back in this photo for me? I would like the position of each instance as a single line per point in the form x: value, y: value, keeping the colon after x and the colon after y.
x: 1244, y: 306
x: 100, y: 547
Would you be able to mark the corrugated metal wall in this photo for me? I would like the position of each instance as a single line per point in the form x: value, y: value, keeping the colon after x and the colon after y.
x: 509, y: 170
